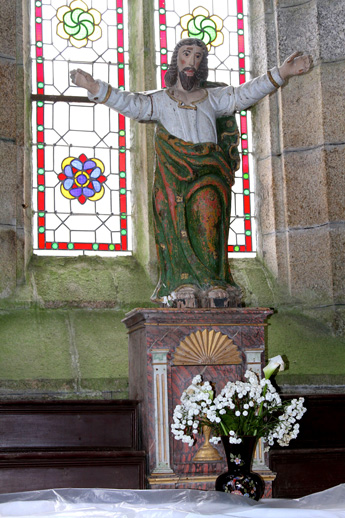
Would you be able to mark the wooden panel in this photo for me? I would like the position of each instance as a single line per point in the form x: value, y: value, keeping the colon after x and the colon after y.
x: 323, y: 425
x: 107, y: 469
x: 69, y: 425
x: 70, y: 444
x: 315, y: 461
x: 302, y: 472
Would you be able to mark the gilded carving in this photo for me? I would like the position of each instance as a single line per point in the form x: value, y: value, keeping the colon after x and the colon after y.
x: 207, y: 348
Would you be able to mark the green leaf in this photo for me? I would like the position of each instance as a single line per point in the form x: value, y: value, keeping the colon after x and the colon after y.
x: 86, y: 17
x: 75, y: 14
x: 192, y: 29
x: 89, y: 27
x: 211, y: 32
x: 198, y: 21
x: 206, y: 38
x: 67, y: 19
x: 81, y: 34
x: 71, y: 31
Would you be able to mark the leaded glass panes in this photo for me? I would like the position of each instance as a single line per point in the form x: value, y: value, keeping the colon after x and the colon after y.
x: 81, y: 180
x: 223, y: 26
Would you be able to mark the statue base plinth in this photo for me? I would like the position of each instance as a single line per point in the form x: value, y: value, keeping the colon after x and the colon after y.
x: 201, y: 482
x: 167, y: 348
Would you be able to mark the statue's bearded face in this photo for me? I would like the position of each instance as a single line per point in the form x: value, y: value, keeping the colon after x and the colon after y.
x: 188, y: 61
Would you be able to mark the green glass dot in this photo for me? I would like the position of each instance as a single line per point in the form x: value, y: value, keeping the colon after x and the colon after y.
x: 248, y: 233
x: 122, y: 133
x: 240, y: 16
x: 122, y: 174
x: 41, y: 188
x: 39, y: 59
x: 240, y: 31
x: 121, y: 87
x: 120, y: 26
x: 123, y: 216
x: 241, y: 55
x: 119, y: 10
x: 242, y: 71
x: 237, y: 248
x: 38, y: 20
x: 40, y: 146
x: 246, y: 176
x: 163, y: 51
x: 122, y: 191
x: 120, y: 49
x: 70, y: 246
x: 40, y: 85
x: 123, y: 232
x: 162, y: 27
x: 95, y: 246
x: 39, y: 44
x: 121, y: 65
x: 245, y: 151
x: 40, y: 104
x: 244, y: 136
x: 161, y: 10
x: 164, y: 67
x: 55, y: 246
x: 243, y: 112
x: 246, y: 192
x: 41, y: 214
x: 111, y: 247
x: 40, y: 170
x: 247, y: 216
x: 38, y: 3
x: 40, y: 128
x: 41, y: 230
x: 122, y: 150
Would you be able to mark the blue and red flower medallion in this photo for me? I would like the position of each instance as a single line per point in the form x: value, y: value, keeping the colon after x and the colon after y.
x: 82, y: 178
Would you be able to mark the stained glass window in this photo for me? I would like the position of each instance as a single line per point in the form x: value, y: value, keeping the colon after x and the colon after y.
x: 81, y: 173
x: 223, y: 26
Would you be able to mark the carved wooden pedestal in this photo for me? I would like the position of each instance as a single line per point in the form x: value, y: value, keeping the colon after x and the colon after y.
x: 167, y: 348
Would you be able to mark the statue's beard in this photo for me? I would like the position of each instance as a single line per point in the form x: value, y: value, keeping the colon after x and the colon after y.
x: 188, y: 82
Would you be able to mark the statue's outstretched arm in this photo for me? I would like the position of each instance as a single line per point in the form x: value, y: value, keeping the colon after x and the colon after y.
x: 84, y: 80
x: 295, y: 65
x: 134, y: 105
x: 231, y: 99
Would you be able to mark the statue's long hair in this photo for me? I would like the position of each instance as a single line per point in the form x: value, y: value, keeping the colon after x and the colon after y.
x: 202, y: 72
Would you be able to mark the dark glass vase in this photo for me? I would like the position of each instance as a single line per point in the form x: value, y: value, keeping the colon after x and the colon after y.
x: 239, y: 479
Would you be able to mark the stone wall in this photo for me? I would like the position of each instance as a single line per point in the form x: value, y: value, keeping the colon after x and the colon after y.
x: 300, y: 152
x: 15, y: 242
x: 61, y: 334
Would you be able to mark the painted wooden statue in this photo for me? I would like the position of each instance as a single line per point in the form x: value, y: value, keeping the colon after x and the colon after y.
x: 194, y: 168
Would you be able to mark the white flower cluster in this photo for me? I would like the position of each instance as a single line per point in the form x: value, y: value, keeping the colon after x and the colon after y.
x: 287, y: 428
x: 188, y: 416
x: 241, y: 400
x: 252, y: 407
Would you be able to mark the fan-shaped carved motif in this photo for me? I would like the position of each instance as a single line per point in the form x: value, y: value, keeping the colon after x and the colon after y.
x: 207, y: 348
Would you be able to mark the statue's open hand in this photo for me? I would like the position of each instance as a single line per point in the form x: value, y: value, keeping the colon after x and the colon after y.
x: 295, y: 65
x: 84, y: 80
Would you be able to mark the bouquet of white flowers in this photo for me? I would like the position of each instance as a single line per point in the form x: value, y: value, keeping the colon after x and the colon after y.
x: 243, y: 408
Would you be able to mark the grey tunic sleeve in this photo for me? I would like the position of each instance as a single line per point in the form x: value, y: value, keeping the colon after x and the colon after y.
x: 138, y: 106
x: 229, y: 99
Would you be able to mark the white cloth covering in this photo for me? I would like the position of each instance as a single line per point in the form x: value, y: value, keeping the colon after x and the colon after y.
x: 113, y: 503
x: 192, y: 123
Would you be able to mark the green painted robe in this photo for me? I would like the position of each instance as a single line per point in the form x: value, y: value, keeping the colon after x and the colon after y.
x: 191, y: 210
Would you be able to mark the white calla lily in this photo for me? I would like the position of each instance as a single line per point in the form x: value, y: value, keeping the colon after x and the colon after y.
x: 275, y: 364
